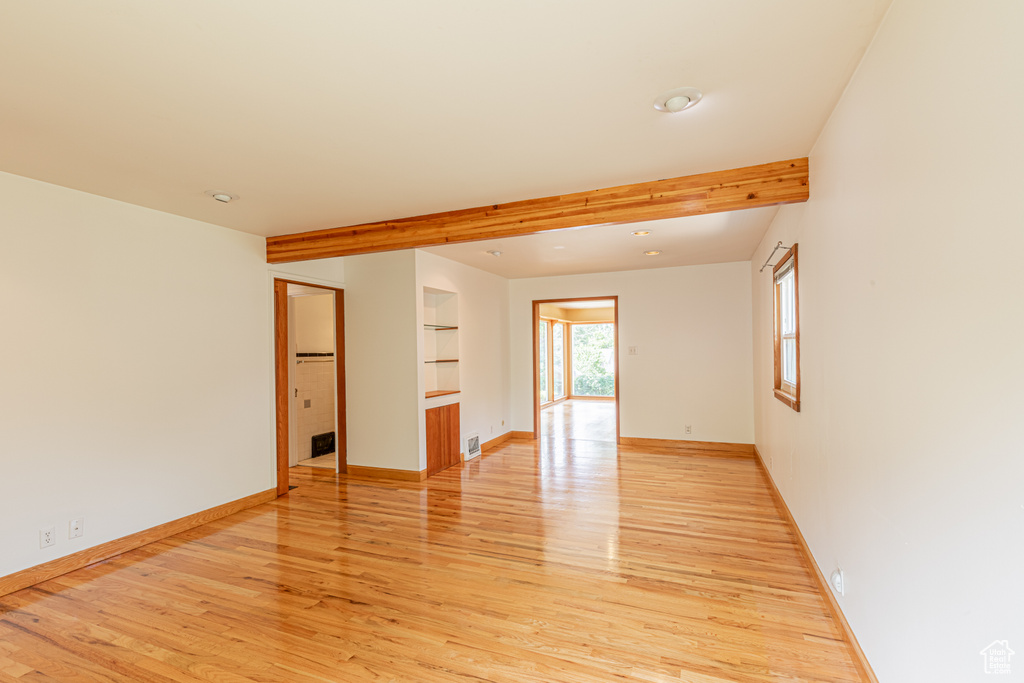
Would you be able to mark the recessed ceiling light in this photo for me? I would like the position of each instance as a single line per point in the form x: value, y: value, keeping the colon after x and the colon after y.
x: 494, y: 252
x: 640, y: 233
x: 675, y: 101
x: 558, y: 246
x: 221, y: 196
x: 652, y: 252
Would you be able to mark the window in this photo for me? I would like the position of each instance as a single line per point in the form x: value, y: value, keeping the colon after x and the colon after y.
x: 558, y: 359
x: 787, y: 330
x: 593, y: 359
x: 551, y: 363
x: 542, y: 357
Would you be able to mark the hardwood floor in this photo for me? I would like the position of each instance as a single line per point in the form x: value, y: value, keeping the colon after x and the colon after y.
x: 329, y: 461
x: 582, y: 563
x: 578, y: 419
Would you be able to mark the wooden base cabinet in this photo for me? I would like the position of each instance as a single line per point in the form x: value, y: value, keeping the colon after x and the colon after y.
x: 443, y: 437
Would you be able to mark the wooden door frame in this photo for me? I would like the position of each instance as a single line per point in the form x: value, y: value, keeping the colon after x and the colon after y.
x: 536, y: 359
x: 281, y: 387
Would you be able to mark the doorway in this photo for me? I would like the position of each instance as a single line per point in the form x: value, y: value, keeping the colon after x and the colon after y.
x: 309, y: 363
x: 575, y: 368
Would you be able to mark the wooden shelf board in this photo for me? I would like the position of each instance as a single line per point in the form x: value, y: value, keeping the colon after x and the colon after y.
x: 430, y: 326
x: 448, y: 360
x: 432, y: 394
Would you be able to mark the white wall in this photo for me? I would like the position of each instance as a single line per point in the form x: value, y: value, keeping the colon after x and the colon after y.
x: 905, y: 464
x: 314, y: 323
x: 692, y: 326
x: 483, y: 346
x: 134, y: 358
x: 329, y: 271
x: 382, y: 364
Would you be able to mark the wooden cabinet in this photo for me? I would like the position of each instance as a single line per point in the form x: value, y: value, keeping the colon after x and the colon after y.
x: 443, y: 437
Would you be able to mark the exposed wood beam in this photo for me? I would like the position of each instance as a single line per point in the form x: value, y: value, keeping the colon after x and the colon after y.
x: 781, y: 182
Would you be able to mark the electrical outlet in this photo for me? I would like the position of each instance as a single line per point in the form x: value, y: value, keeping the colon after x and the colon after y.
x: 76, y: 528
x: 838, y: 581
x: 769, y: 462
x: 47, y: 537
x: 634, y: 350
x: 492, y: 429
x: 689, y: 429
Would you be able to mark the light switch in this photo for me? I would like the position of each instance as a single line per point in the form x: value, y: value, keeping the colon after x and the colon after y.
x: 634, y: 350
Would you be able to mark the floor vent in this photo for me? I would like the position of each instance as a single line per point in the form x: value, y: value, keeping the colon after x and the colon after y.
x: 472, y: 445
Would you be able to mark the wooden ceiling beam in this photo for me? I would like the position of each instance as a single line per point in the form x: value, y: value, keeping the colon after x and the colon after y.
x: 781, y: 182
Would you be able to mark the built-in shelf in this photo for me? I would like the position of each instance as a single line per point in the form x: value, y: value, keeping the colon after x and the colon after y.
x: 433, y: 394
x: 440, y: 342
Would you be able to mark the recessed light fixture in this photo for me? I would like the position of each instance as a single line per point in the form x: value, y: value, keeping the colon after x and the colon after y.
x: 652, y: 252
x: 680, y: 99
x: 558, y: 246
x: 640, y: 233
x: 494, y: 252
x: 220, y: 196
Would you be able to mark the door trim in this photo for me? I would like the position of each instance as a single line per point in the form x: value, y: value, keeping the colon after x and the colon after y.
x: 281, y: 389
x: 536, y: 360
x: 281, y: 381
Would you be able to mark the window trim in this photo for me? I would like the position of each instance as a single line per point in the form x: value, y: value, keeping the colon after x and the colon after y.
x: 566, y: 372
x: 550, y: 323
x: 784, y: 391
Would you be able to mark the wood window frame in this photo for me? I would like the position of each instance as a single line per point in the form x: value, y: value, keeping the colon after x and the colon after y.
x: 550, y: 358
x: 788, y: 393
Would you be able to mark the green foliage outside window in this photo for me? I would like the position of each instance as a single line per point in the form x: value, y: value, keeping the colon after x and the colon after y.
x: 593, y: 363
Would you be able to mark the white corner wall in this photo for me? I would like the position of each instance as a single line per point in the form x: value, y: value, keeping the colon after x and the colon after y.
x: 381, y: 360
x: 905, y: 465
x: 483, y: 346
x: 314, y: 323
x: 692, y: 326
x: 135, y: 356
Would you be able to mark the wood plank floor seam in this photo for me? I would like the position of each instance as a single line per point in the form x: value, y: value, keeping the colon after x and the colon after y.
x: 550, y: 560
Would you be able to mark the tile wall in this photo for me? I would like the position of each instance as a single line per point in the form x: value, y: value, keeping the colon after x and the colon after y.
x: 315, y: 381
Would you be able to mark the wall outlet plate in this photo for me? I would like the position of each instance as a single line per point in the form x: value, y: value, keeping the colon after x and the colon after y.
x: 838, y: 582
x: 76, y: 528
x: 47, y: 537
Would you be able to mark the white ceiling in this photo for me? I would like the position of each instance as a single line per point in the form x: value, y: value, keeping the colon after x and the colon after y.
x: 324, y: 113
x: 711, y: 238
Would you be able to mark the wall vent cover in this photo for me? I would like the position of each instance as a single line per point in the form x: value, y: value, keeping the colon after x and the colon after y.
x: 322, y: 444
x: 472, y: 445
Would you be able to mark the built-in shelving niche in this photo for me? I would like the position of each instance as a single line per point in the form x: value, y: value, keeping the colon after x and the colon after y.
x: 440, y: 342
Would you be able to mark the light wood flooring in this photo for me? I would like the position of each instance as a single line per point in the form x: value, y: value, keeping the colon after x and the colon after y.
x: 329, y: 461
x: 578, y: 419
x: 586, y: 562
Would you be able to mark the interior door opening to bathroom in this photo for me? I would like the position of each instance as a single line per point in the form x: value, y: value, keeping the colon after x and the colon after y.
x: 309, y: 340
x: 575, y: 368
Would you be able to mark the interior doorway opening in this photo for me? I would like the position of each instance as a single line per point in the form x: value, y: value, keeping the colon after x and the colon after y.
x: 309, y: 340
x: 575, y: 351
